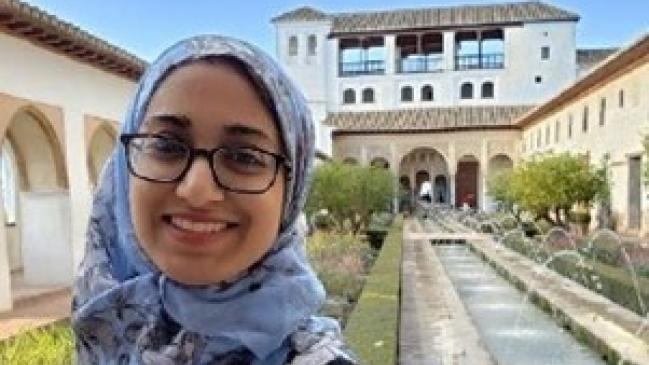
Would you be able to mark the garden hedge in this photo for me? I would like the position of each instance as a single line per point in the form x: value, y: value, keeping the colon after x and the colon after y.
x: 372, y: 329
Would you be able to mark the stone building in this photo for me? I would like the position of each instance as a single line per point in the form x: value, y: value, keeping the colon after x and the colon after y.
x: 435, y: 94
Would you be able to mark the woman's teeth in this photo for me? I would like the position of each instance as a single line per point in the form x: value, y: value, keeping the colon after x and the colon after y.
x: 199, y: 227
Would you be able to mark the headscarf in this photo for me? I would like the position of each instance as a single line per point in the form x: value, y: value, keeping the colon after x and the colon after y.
x: 126, y: 311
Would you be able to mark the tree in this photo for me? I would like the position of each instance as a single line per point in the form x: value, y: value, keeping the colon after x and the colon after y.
x: 548, y: 187
x: 350, y: 193
x: 500, y: 188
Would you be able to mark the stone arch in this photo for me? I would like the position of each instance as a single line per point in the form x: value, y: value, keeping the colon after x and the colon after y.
x: 380, y: 162
x: 423, y: 159
x: 467, y: 181
x: 38, y: 151
x: 100, y: 146
x: 499, y: 162
x: 39, y: 236
x: 350, y: 160
x: 496, y: 164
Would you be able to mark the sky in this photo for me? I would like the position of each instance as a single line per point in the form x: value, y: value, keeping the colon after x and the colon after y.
x: 146, y: 27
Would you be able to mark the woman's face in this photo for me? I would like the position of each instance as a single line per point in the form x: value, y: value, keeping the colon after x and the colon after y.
x: 193, y: 230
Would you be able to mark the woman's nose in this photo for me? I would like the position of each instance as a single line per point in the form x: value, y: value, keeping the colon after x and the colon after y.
x: 198, y: 187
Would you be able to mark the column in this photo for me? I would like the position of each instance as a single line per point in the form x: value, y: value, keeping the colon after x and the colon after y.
x: 449, y: 50
x: 6, y: 301
x: 452, y: 188
x: 79, y: 189
x: 390, y: 54
x: 483, y: 173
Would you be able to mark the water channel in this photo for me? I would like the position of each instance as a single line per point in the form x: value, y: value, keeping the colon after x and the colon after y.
x: 514, y: 330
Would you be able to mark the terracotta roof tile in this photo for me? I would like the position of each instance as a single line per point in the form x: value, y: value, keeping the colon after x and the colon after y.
x: 47, y: 31
x: 433, y: 17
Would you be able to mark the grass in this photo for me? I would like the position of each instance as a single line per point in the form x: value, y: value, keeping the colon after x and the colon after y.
x: 52, y: 345
x: 372, y: 329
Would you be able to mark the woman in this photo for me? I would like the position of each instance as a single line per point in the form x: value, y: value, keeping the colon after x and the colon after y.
x: 192, y: 254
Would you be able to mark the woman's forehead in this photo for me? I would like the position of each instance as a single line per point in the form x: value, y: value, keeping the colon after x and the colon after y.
x: 216, y: 93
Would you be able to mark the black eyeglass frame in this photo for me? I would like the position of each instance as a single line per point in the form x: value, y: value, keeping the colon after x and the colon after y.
x: 126, y: 139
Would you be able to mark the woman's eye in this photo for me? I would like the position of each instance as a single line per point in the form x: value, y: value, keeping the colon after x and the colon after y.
x: 245, y: 160
x: 165, y: 148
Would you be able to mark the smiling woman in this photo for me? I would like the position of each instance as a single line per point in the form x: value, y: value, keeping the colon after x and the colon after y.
x: 192, y: 254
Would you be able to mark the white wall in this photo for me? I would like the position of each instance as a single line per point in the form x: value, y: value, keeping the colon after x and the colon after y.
x: 33, y: 73
x: 514, y: 85
x: 620, y: 136
x: 47, y: 258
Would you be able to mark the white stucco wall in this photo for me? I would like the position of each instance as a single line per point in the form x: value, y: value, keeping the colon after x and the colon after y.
x: 620, y: 136
x: 47, y: 259
x: 515, y: 84
x: 35, y: 74
x: 308, y: 71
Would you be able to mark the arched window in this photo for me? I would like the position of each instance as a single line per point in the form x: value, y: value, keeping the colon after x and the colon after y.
x: 487, y: 90
x: 349, y: 96
x: 292, y: 46
x: 368, y: 95
x: 427, y: 93
x: 313, y: 44
x: 406, y: 93
x: 466, y: 91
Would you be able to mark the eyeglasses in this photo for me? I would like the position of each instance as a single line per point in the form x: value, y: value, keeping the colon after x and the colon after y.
x: 159, y: 158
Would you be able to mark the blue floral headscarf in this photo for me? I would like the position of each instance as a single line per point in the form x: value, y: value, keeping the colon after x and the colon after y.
x: 125, y: 311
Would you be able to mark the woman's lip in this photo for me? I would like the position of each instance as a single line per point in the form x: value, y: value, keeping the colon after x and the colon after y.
x: 197, y: 218
x: 196, y: 238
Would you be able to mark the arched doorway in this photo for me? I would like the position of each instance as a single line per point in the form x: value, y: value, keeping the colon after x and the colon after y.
x: 350, y: 161
x: 497, y: 164
x: 38, y: 236
x: 466, y: 182
x: 101, y: 146
x: 420, y: 165
x: 440, y: 190
x: 380, y: 162
x: 420, y: 178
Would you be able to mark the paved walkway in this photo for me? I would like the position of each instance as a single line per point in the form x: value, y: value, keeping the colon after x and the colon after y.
x: 35, y: 307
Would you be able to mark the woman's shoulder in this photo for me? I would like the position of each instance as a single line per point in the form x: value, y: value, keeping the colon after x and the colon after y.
x: 320, y: 342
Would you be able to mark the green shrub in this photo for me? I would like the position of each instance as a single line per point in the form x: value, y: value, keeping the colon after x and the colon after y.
x: 605, y: 249
x: 508, y: 223
x: 373, y: 325
x: 340, y: 261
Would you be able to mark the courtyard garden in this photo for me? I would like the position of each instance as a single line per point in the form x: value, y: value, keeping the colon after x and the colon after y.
x: 349, y: 219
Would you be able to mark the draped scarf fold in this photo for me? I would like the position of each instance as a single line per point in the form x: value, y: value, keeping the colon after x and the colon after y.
x: 125, y: 311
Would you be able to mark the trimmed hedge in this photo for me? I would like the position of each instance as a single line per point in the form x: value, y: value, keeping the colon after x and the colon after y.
x: 372, y: 329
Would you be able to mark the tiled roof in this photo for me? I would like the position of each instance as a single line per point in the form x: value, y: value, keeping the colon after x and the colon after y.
x: 47, y: 31
x: 435, y: 17
x: 443, y: 119
x: 305, y: 13
x: 587, y: 58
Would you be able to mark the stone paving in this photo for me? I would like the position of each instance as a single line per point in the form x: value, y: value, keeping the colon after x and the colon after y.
x: 35, y: 308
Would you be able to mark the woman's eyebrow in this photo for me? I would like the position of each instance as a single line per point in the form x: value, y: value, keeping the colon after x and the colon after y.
x: 176, y: 120
x: 246, y: 130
